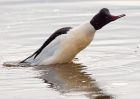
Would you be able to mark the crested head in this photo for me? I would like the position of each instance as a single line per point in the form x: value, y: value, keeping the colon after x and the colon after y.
x: 102, y: 18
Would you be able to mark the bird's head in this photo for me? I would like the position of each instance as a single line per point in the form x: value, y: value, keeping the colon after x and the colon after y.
x: 103, y: 17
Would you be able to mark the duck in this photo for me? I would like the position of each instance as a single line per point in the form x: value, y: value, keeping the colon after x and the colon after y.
x: 65, y: 43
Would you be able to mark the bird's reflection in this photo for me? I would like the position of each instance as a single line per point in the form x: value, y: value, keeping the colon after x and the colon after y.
x: 71, y: 78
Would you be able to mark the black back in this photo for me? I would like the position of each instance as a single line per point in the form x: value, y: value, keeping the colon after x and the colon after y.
x: 49, y: 40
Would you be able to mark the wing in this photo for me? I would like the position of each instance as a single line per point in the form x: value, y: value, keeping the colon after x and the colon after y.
x: 48, y: 41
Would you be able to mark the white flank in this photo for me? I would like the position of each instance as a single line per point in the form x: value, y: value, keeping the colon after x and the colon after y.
x: 65, y: 47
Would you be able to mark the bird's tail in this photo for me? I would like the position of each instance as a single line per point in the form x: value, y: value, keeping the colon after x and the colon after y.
x: 29, y: 59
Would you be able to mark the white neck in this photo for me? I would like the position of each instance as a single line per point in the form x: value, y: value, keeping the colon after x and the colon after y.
x: 85, y: 29
x: 82, y: 35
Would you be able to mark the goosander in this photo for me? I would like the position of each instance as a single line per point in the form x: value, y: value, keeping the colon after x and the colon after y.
x: 65, y: 43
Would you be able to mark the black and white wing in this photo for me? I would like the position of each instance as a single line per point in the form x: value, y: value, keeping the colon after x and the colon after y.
x: 48, y: 41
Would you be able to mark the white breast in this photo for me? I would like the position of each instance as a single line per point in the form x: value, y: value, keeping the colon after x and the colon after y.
x: 65, y: 47
x: 83, y: 35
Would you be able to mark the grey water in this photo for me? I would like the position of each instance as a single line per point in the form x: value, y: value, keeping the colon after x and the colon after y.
x: 109, y: 68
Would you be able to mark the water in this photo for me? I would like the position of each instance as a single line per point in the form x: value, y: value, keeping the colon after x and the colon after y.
x: 108, y: 68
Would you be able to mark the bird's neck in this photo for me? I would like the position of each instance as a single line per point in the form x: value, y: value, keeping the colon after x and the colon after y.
x: 85, y: 28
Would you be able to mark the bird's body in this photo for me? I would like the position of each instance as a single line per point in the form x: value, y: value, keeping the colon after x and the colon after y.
x: 64, y: 47
x: 64, y: 44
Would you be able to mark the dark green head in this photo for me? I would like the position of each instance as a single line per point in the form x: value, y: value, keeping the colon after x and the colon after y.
x: 103, y: 17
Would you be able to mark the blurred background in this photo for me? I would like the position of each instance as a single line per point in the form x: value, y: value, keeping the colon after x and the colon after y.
x: 108, y: 68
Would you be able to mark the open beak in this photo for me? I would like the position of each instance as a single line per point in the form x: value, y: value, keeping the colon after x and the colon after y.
x: 122, y: 15
x: 117, y: 17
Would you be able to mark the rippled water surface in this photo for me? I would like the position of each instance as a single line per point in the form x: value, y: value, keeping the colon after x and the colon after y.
x: 108, y: 68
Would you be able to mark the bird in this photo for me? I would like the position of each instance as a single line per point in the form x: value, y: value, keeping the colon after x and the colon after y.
x: 65, y: 43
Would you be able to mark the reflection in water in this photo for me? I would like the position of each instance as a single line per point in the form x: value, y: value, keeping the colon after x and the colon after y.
x: 71, y: 78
